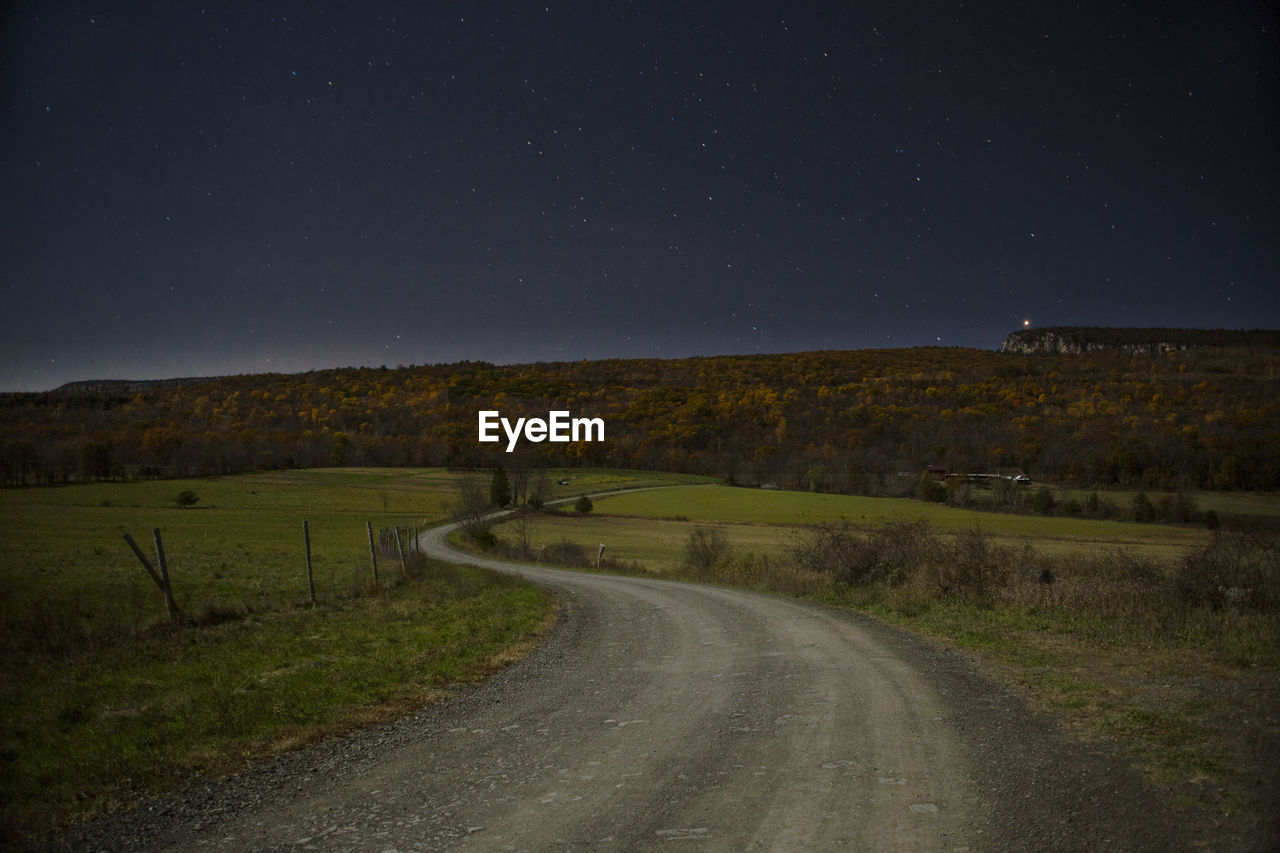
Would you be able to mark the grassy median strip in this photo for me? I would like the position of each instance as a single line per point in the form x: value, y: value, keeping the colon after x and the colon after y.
x: 103, y: 701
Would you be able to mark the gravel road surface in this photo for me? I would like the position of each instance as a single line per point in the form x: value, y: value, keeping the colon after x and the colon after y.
x: 672, y: 716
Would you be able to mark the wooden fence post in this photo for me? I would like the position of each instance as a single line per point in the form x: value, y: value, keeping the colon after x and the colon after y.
x: 162, y: 581
x: 306, y: 541
x: 400, y: 547
x: 599, y: 554
x: 373, y: 552
x: 164, y: 575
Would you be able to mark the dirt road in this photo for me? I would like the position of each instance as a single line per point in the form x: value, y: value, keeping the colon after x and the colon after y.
x: 663, y: 715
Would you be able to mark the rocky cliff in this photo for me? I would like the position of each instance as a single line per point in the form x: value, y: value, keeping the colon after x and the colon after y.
x: 1075, y: 340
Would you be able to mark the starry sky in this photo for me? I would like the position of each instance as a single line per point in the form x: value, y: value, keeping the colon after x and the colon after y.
x: 197, y: 189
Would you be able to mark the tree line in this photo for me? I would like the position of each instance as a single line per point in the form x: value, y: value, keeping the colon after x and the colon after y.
x: 844, y: 421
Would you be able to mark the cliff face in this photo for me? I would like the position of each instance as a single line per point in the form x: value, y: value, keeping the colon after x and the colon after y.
x: 1061, y: 342
x: 128, y: 386
x: 1076, y: 340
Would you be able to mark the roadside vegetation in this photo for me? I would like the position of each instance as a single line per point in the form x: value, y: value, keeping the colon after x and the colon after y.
x: 103, y: 701
x: 1163, y: 639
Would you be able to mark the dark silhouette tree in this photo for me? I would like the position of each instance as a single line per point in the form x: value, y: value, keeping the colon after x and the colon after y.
x: 499, y: 488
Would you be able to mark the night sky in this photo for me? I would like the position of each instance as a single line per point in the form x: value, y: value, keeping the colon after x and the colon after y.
x: 197, y: 190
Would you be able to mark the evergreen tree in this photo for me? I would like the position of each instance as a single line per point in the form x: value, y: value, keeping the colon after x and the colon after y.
x: 499, y: 488
x: 1143, y: 509
x: 1043, y: 501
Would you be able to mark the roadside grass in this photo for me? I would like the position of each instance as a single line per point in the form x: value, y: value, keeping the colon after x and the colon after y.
x: 658, y: 546
x: 1113, y: 645
x: 103, y: 702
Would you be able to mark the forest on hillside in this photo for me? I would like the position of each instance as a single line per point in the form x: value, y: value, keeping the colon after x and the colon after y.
x: 844, y: 421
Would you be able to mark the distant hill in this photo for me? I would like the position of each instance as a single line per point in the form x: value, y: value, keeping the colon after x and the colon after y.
x: 864, y: 421
x: 1075, y: 340
x: 128, y: 386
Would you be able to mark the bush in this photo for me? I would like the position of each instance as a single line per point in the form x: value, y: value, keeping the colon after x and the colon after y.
x: 705, y: 548
x: 1043, y: 501
x: 1237, y: 571
x: 835, y: 550
x: 186, y: 498
x: 566, y: 553
x: 1143, y: 510
x: 471, y: 512
x: 1099, y: 507
x: 482, y: 537
x: 887, y: 554
x: 974, y: 566
x: 584, y: 505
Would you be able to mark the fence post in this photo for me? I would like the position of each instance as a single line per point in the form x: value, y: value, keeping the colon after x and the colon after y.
x: 400, y: 547
x: 165, y: 587
x: 599, y: 554
x: 306, y: 541
x: 373, y: 552
x: 155, y: 576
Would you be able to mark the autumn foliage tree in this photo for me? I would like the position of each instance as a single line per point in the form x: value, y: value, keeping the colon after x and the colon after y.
x: 839, y: 421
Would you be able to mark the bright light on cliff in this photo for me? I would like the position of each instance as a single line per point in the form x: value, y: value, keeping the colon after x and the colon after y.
x: 1026, y: 324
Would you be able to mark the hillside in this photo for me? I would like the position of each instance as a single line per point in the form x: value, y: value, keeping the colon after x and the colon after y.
x: 847, y: 421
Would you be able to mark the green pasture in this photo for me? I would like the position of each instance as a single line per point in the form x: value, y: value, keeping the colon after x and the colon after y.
x: 725, y: 504
x: 241, y: 545
x: 581, y: 481
x: 103, y: 701
x: 1223, y: 503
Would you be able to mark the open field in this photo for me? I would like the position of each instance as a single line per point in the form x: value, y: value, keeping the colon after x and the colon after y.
x: 1262, y: 504
x: 757, y: 506
x: 592, y: 480
x: 103, y: 701
x: 240, y: 546
x: 1111, y: 646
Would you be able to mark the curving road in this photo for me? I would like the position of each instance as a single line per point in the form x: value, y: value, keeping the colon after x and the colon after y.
x: 676, y: 716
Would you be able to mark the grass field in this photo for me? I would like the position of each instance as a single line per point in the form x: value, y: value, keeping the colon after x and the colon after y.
x: 240, y: 546
x: 102, y: 701
x: 1223, y: 503
x: 1053, y: 535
